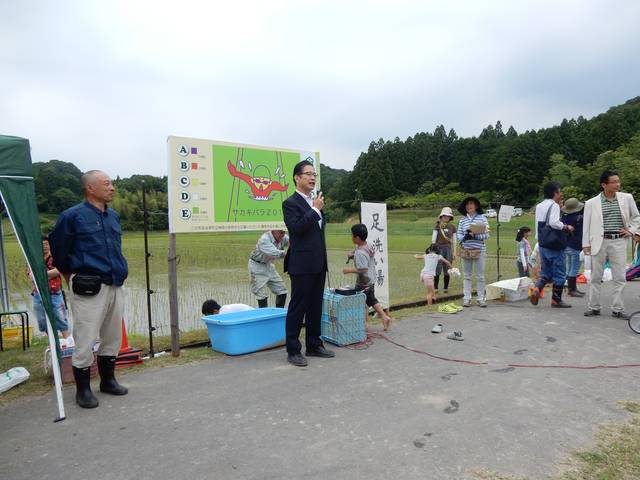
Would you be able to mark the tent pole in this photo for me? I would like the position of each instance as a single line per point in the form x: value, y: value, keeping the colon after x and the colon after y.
x: 4, y: 293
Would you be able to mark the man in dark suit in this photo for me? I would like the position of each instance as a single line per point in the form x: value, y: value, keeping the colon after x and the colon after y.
x: 306, y: 263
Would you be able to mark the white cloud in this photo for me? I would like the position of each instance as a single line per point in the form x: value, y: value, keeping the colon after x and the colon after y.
x: 102, y: 84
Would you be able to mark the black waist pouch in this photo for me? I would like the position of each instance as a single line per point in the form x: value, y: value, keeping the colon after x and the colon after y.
x: 86, y: 284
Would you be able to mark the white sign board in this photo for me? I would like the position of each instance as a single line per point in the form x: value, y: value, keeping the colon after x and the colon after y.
x: 505, y: 214
x: 374, y: 216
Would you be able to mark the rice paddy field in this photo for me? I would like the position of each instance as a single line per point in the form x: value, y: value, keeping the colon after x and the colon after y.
x: 214, y: 265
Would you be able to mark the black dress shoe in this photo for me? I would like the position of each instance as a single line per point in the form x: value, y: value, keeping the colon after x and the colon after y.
x: 621, y: 314
x: 297, y: 359
x: 320, y: 352
x: 592, y: 313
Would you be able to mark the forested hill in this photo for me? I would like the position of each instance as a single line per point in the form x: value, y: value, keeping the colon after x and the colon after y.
x: 427, y: 169
x: 498, y: 164
x: 57, y: 186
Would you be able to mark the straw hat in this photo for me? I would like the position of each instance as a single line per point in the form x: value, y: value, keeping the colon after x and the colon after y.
x: 446, y: 211
x: 572, y: 205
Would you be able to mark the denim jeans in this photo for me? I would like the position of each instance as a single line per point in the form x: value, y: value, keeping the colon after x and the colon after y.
x: 467, y: 267
x: 573, y: 261
x: 61, y: 321
x: 521, y: 271
x: 552, y: 266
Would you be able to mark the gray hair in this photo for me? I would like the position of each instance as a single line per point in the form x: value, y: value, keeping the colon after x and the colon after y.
x: 88, y: 178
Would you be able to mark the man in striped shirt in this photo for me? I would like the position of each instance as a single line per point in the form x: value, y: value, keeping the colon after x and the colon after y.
x: 610, y: 218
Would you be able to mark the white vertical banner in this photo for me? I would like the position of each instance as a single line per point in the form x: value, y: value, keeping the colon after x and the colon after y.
x: 374, y: 216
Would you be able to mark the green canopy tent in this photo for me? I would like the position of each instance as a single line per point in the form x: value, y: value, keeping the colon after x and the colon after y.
x: 18, y: 194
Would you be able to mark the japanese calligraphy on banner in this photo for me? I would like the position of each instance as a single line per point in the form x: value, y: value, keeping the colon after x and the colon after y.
x: 219, y: 186
x: 374, y: 216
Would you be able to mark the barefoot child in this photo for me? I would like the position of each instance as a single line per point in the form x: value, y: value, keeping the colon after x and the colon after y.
x: 365, y: 270
x: 431, y: 258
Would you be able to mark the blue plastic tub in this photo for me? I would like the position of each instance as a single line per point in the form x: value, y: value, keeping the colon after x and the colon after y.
x: 245, y: 332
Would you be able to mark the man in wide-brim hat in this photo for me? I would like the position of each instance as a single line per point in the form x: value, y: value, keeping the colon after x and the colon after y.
x: 444, y: 235
x: 572, y: 215
x: 572, y: 205
x: 463, y: 206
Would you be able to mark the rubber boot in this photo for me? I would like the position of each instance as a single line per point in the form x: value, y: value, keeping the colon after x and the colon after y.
x: 572, y: 288
x: 108, y: 382
x: 84, y: 396
x: 446, y: 283
x: 281, y: 300
x: 263, y: 303
x: 556, y: 298
x: 536, y: 291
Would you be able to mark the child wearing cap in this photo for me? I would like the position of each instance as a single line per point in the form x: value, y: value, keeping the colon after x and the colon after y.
x: 444, y: 236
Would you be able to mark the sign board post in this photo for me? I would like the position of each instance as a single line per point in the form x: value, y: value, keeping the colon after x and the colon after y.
x: 374, y: 216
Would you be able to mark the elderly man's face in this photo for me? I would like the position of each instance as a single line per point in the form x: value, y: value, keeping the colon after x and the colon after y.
x: 101, y: 188
x: 277, y: 234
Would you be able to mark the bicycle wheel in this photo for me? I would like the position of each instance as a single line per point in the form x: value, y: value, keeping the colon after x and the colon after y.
x: 634, y: 321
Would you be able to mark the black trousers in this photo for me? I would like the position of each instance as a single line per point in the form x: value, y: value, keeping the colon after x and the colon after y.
x: 306, y: 304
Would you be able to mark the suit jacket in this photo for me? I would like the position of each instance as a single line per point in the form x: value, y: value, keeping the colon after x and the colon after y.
x: 593, y: 226
x: 307, y: 253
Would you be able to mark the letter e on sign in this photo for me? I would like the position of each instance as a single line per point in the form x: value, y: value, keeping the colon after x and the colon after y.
x: 185, y: 213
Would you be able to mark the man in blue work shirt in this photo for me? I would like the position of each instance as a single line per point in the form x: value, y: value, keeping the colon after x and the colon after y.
x: 87, y: 249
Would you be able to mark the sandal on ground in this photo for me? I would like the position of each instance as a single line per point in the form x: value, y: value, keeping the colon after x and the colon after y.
x: 457, y: 335
x: 437, y: 328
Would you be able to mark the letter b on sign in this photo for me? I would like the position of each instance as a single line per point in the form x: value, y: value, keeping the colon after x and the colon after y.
x: 184, y: 166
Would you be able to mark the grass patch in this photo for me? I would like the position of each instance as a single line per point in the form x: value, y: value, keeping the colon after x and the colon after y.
x: 41, y: 383
x: 33, y: 360
x: 616, y: 455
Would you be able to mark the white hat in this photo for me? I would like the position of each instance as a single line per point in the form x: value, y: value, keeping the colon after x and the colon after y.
x: 446, y: 211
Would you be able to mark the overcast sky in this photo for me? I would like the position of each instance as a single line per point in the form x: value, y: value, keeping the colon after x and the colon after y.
x: 103, y: 83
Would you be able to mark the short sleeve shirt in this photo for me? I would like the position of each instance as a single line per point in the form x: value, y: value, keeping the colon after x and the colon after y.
x: 362, y: 259
x: 445, y: 233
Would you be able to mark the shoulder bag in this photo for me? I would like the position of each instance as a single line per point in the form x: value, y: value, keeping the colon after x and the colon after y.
x: 549, y: 237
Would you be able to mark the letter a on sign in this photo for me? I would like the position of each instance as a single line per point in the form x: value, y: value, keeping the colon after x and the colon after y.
x: 183, y: 151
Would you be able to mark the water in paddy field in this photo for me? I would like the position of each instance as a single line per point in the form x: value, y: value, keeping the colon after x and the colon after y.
x: 215, y: 266
x: 231, y: 285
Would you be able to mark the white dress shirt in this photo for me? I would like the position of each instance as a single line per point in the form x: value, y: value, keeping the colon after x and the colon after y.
x: 309, y: 200
x: 554, y: 217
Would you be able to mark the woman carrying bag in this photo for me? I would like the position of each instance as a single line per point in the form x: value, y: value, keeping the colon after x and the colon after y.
x: 473, y: 230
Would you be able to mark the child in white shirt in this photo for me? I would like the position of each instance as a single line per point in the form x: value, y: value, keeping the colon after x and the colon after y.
x: 431, y: 259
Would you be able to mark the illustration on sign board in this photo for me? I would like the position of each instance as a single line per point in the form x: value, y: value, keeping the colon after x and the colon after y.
x: 260, y: 183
